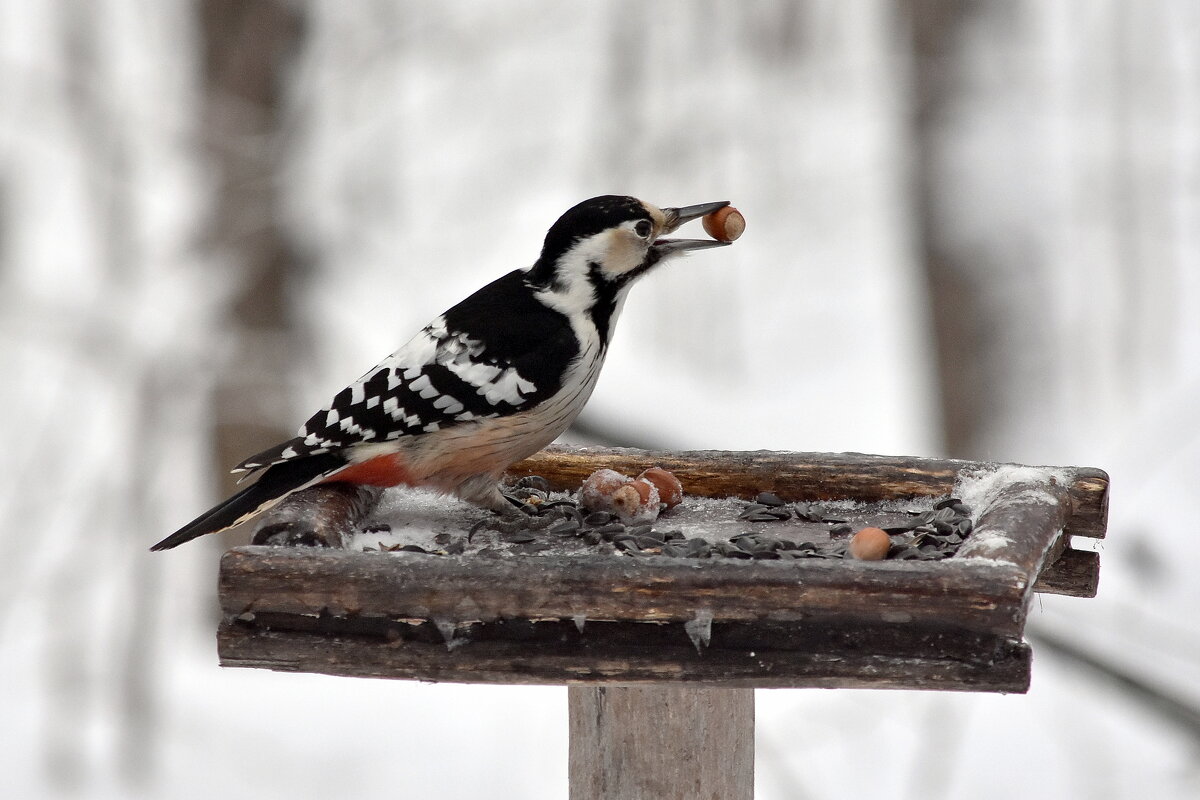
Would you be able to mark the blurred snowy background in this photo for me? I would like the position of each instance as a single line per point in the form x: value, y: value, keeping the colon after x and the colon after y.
x: 973, y: 231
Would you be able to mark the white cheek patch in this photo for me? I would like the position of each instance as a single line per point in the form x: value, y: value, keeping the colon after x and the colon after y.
x: 626, y: 251
x: 616, y: 251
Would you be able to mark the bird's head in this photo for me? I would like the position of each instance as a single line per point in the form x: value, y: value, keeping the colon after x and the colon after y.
x: 596, y: 250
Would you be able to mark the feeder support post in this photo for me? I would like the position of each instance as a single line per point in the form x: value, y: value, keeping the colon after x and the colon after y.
x: 664, y: 741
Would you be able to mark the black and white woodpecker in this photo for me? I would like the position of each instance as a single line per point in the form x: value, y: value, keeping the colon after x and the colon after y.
x: 491, y: 381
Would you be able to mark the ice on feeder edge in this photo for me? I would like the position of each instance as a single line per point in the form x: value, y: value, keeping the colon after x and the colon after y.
x: 699, y: 629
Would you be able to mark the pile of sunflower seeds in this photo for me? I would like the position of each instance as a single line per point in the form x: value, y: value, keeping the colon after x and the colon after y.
x: 928, y: 535
x: 933, y: 534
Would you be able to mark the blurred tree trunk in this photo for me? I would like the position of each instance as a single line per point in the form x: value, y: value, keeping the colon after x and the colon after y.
x: 955, y: 303
x: 247, y: 48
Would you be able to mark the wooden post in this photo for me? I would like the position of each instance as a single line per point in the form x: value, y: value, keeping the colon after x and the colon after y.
x: 664, y: 742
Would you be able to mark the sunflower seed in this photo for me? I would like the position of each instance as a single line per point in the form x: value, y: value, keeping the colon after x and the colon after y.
x: 564, y: 526
x: 565, y: 507
x: 809, y: 512
x: 534, y: 482
x: 943, y: 514
x: 759, y: 516
x: 609, y: 530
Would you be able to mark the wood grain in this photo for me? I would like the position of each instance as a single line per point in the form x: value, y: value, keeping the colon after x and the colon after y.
x: 662, y: 742
x: 1022, y: 527
x: 971, y: 595
x: 556, y: 653
x: 1075, y: 573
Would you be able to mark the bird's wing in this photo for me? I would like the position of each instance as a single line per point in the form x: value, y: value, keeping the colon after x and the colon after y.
x: 445, y: 376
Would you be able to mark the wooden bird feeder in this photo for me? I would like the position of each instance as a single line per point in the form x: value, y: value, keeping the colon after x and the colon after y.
x: 662, y: 653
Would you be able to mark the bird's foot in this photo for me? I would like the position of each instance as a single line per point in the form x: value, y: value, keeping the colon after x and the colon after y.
x: 526, y: 507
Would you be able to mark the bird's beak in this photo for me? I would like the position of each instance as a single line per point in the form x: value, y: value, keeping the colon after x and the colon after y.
x: 675, y: 217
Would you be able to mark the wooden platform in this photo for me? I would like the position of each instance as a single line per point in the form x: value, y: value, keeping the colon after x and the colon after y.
x: 611, y: 619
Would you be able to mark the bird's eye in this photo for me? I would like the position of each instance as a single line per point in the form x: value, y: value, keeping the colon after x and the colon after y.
x: 642, y: 229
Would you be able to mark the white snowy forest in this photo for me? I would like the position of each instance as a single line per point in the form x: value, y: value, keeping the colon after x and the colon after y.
x: 973, y: 230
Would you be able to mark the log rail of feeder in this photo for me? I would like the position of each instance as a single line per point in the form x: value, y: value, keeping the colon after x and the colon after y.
x: 604, y: 619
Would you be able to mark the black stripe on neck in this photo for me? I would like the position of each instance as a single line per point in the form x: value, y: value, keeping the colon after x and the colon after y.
x: 604, y: 309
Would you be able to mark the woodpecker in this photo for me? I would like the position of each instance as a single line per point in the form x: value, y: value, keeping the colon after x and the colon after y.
x: 489, y: 382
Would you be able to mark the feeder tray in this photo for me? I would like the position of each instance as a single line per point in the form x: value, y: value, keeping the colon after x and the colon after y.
x: 496, y: 615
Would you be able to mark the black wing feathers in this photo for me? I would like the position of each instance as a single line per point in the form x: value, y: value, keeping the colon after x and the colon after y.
x: 276, y: 482
x: 499, y: 352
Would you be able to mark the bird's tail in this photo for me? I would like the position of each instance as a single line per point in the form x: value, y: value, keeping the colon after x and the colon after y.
x: 276, y: 483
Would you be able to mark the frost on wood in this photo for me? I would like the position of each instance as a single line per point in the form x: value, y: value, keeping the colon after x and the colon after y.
x: 699, y: 629
x: 982, y: 489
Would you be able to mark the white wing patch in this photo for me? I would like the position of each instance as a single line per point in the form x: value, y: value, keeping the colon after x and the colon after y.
x: 508, y: 387
x: 437, y: 380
